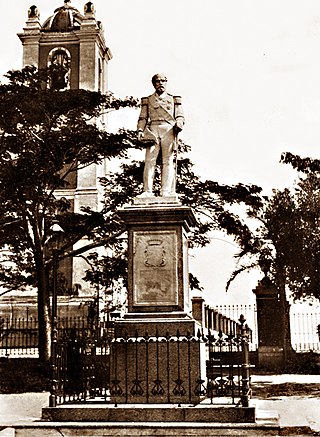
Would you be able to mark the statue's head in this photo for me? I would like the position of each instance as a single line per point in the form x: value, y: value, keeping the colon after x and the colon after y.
x: 159, y: 82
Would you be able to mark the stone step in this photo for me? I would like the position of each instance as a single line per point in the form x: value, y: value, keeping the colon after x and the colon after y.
x: 97, y: 429
x: 149, y: 413
x: 266, y: 423
x: 267, y: 417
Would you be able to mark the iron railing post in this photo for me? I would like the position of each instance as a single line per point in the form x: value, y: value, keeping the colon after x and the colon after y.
x: 245, y: 366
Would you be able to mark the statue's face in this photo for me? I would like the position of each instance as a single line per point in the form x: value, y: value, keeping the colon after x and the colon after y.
x: 160, y: 83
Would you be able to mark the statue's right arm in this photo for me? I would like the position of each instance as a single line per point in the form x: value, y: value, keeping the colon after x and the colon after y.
x: 143, y: 118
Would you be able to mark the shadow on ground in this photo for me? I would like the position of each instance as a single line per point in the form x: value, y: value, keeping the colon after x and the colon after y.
x: 265, y: 390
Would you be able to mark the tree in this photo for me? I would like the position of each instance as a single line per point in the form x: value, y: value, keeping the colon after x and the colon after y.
x: 272, y: 251
x: 209, y: 200
x: 304, y: 269
x: 46, y: 135
x: 286, y: 238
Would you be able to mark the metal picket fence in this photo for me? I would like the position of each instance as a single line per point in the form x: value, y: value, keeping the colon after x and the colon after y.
x: 90, y: 367
x: 305, y: 328
x: 19, y: 336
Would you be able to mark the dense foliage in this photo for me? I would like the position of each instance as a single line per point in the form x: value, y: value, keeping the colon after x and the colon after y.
x: 46, y: 136
x: 286, y: 238
x: 210, y: 201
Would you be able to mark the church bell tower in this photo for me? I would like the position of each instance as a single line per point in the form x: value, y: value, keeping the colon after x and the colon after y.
x: 70, y: 38
x: 75, y: 43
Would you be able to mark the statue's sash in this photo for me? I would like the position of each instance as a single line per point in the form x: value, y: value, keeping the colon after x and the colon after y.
x: 162, y: 113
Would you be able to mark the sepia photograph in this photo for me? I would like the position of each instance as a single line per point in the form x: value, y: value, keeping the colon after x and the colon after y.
x: 159, y: 218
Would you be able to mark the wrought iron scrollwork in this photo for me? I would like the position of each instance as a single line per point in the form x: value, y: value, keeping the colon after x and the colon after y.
x: 115, y: 388
x: 157, y: 389
x: 200, y: 389
x: 151, y: 368
x: 136, y: 389
x: 179, y: 389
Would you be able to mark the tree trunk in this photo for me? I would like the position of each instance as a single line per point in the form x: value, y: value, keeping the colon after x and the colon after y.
x: 285, y: 307
x: 287, y: 327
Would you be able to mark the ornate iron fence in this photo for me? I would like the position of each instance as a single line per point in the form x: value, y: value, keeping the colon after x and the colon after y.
x: 304, y: 323
x: 96, y: 367
x: 18, y: 336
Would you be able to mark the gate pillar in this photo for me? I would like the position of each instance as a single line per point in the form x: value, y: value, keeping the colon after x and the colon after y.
x: 273, y: 326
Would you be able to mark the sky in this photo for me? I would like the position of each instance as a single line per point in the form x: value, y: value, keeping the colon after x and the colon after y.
x: 248, y: 72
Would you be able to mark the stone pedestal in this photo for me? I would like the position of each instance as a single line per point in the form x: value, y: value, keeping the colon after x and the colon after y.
x: 158, y: 277
x: 158, y: 357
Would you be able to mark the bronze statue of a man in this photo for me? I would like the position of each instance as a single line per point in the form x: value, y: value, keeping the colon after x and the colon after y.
x: 161, y: 119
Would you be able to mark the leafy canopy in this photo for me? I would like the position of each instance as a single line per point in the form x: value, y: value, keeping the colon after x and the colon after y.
x: 286, y: 241
x: 46, y: 137
x: 210, y: 201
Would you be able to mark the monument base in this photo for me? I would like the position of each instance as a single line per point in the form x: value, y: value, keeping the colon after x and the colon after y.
x: 157, y: 360
x: 150, y: 413
x: 161, y: 324
x: 155, y: 200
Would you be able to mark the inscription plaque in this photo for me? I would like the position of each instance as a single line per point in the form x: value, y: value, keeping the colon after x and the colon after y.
x: 155, y: 265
